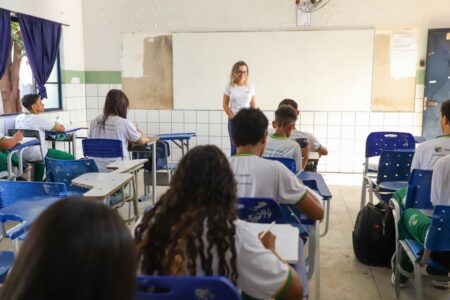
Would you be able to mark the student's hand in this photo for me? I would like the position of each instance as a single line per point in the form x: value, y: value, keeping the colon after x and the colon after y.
x: 268, y: 240
x: 18, y: 136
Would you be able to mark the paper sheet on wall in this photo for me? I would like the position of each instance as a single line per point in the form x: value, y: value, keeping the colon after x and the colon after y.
x: 403, y: 55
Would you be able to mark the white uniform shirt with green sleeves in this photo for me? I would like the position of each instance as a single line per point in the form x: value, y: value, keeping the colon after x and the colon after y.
x: 240, y: 96
x: 116, y: 128
x: 259, y: 177
x: 440, y: 184
x: 260, y: 273
x: 427, y: 153
x: 35, y: 122
x: 281, y: 146
x: 313, y: 143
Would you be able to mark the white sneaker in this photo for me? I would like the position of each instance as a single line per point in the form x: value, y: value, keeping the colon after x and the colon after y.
x: 401, y: 284
x: 440, y: 284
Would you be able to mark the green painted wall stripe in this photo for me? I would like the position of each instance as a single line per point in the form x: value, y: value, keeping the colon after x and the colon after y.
x: 92, y: 77
x: 420, y: 77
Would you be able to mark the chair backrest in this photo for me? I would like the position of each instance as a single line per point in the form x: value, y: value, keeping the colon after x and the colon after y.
x: 288, y: 162
x: 185, y: 288
x: 162, y: 153
x: 65, y: 170
x: 259, y: 210
x: 388, y: 140
x: 102, y: 148
x: 419, y: 190
x: 6, y: 262
x: 438, y: 237
x: 395, y: 165
x: 26, y: 133
x: 13, y: 191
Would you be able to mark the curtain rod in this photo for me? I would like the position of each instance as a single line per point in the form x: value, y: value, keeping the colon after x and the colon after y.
x: 14, y: 14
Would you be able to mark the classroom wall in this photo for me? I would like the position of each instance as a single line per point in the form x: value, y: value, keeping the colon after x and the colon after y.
x: 70, y: 13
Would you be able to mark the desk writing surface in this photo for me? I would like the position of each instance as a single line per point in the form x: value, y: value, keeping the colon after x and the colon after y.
x: 286, y: 243
x: 127, y: 165
x: 102, y: 185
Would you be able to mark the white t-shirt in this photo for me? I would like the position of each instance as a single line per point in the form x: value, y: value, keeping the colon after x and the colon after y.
x: 427, y: 153
x: 283, y: 147
x: 313, y: 143
x: 240, y: 96
x: 34, y: 122
x: 259, y: 177
x: 115, y: 128
x: 440, y: 183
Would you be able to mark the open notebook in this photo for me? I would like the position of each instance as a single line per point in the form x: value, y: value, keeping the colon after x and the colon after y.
x: 286, y: 243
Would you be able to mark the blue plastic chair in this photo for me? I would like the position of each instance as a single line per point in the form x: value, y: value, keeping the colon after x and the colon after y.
x: 185, y: 288
x: 288, y: 162
x: 23, y: 202
x: 376, y: 142
x: 65, y: 170
x: 419, y: 190
x: 438, y: 239
x: 102, y: 148
x: 393, y: 173
x: 6, y: 261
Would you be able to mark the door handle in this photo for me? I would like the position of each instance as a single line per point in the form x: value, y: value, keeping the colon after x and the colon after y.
x: 429, y: 103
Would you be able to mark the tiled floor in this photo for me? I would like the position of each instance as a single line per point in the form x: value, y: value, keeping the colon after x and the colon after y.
x: 342, y: 276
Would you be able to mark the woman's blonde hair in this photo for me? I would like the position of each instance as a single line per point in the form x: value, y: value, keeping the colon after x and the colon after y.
x: 234, y: 71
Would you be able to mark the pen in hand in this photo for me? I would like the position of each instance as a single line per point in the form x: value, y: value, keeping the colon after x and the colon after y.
x: 267, y: 230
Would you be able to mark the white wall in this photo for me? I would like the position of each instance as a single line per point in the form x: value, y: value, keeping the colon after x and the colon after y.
x: 105, y: 20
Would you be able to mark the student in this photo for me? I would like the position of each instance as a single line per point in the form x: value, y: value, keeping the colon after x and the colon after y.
x: 7, y: 143
x: 297, y: 135
x: 414, y: 224
x: 278, y: 143
x: 207, y: 238
x: 113, y: 124
x: 427, y: 153
x: 239, y: 93
x: 259, y: 177
x: 76, y: 249
x: 32, y: 120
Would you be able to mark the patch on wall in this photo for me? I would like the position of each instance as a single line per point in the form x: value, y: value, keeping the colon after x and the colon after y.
x: 147, y: 71
x: 388, y: 93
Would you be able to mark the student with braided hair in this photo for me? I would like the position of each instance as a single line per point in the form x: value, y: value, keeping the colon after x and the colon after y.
x: 193, y: 231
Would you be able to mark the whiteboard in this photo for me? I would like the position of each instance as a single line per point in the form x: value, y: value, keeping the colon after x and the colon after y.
x: 322, y: 70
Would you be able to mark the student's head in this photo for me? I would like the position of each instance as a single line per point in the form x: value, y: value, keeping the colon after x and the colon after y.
x: 33, y: 103
x: 291, y: 103
x: 76, y: 249
x: 201, y: 196
x: 285, y: 117
x: 249, y: 127
x: 116, y: 103
x: 445, y: 117
x: 239, y: 73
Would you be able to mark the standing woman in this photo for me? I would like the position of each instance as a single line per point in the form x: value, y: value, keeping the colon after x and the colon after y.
x: 238, y: 94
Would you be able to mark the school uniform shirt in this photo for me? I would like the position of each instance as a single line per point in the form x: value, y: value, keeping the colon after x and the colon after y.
x: 259, y: 177
x: 313, y: 143
x: 429, y: 152
x: 440, y: 183
x: 240, y: 96
x: 281, y: 146
x: 116, y: 128
x: 35, y: 122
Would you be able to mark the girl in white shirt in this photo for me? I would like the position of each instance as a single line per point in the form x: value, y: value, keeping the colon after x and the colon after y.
x: 113, y: 124
x: 238, y: 94
x: 193, y: 231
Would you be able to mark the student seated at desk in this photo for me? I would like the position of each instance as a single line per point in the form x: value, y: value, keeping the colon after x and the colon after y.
x: 32, y: 120
x: 414, y: 224
x: 297, y: 135
x: 113, y: 124
x: 278, y: 143
x: 259, y: 177
x: 7, y: 143
x: 194, y: 231
x: 76, y: 249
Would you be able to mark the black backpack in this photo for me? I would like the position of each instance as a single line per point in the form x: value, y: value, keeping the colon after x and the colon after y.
x: 374, y: 235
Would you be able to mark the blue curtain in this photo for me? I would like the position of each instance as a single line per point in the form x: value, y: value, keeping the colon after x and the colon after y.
x: 5, y: 40
x: 41, y: 40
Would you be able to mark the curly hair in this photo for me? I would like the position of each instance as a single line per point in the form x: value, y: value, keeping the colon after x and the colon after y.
x: 193, y: 219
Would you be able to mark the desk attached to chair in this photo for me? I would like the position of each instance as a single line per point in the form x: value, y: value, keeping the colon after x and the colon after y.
x: 179, y: 139
x: 26, y: 142
x: 102, y: 185
x: 70, y: 136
